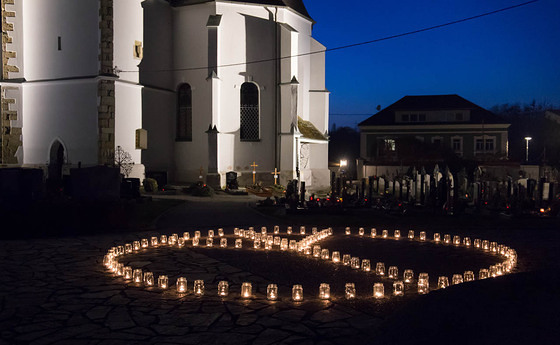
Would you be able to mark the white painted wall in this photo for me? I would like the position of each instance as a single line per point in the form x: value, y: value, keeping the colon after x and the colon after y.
x: 76, y: 22
x: 128, y: 27
x: 128, y: 118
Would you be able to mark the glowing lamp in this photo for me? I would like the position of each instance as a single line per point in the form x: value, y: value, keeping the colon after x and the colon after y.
x: 378, y: 290
x: 355, y: 262
x: 483, y: 273
x: 457, y: 240
x: 249, y: 233
x: 325, y: 254
x: 258, y: 237
x: 373, y: 232
x: 408, y: 276
x: 223, y: 288
x: 223, y: 242
x: 197, y: 234
x: 186, y: 235
x: 128, y: 248
x: 270, y: 239
x: 336, y: 257
x: 267, y: 246
x: 163, y: 282
x: 238, y: 243
x: 457, y: 279
x: 181, y: 285
x: 289, y: 230
x: 210, y: 233
x: 209, y: 241
x: 136, y: 245
x: 346, y: 259
x: 153, y: 241
x: 107, y: 260
x: 173, y: 239
x: 302, y: 230
x: 246, y: 290
x: 272, y: 292
x: 324, y: 291
x: 163, y: 239
x: 137, y: 275
x: 437, y: 237
x: 120, y: 269
x: 264, y: 230
x: 149, y: 279
x: 477, y: 243
x: 398, y: 288
x: 198, y: 287
x: 493, y: 247
x: 349, y: 291
x: 410, y: 234
x: 297, y: 293
x: 468, y: 276
x: 293, y: 245
x: 423, y: 283
x: 499, y: 269
x: 393, y: 272
x: 485, y: 245
x: 277, y: 240
x: 144, y: 243
x: 422, y: 235
x: 442, y: 282
x: 501, y: 249
x: 467, y: 241
x: 314, y: 230
x: 127, y: 272
x: 446, y: 238
x: 385, y: 233
x: 366, y: 265
x: 120, y: 250
x: 276, y: 229
x: 284, y: 244
x: 397, y: 234
x: 347, y: 231
x: 380, y: 269
x: 221, y: 232
x: 195, y: 241
x: 236, y: 231
x: 361, y: 231
x: 256, y: 244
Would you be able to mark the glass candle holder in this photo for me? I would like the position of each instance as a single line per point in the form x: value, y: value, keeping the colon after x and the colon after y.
x: 361, y: 231
x: 236, y: 231
x: 292, y: 245
x: 477, y: 243
x: 442, y: 282
x: 373, y: 233
x: 181, y: 285
x: 153, y: 241
x: 501, y: 249
x: 186, y: 235
x: 137, y: 275
x: 423, y: 283
x: 410, y: 234
x: 499, y: 269
x: 163, y: 282
x: 408, y: 276
x: 314, y: 230
x: 195, y: 241
x: 366, y: 265
x: 276, y: 229
x: 270, y: 239
x: 128, y: 248
x: 437, y: 237
x: 258, y: 236
x: 468, y: 276
x: 483, y: 273
x: 277, y: 240
x: 284, y: 244
x: 289, y: 230
x: 467, y: 241
x: 264, y: 230
x: 173, y: 239
x: 180, y: 242
x: 398, y: 288
x: 325, y: 254
x: 249, y: 233
x: 148, y: 279
x: 163, y: 239
x: 221, y: 232
x: 380, y: 269
x: 297, y: 293
x: 302, y: 230
x: 397, y: 234
x: 198, y: 287
x: 385, y: 233
x: 197, y: 234
x: 355, y: 262
x: 120, y: 269
x: 336, y: 256
x: 127, y: 272
x: 457, y: 240
x: 210, y: 233
x: 223, y: 242
x: 347, y: 231
x: 223, y: 288
x: 447, y: 239
x: 238, y: 243
x: 349, y: 291
x: 246, y: 290
x: 209, y: 241
x: 346, y: 259
x: 485, y: 245
x: 378, y: 290
x: 307, y: 250
x: 120, y: 250
x: 272, y: 292
x: 144, y: 243
x: 393, y: 272
x: 256, y: 244
x: 493, y: 247
x: 422, y: 235
x: 456, y: 279
x: 324, y: 291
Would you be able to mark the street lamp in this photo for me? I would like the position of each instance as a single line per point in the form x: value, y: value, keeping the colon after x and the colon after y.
x: 527, y: 139
x: 343, y: 163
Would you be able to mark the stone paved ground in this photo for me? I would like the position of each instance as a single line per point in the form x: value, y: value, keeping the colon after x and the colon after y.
x: 55, y: 291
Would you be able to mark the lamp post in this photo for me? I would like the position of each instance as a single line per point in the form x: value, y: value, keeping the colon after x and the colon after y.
x: 527, y: 139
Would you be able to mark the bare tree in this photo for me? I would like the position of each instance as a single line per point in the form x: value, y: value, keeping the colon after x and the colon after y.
x: 123, y: 160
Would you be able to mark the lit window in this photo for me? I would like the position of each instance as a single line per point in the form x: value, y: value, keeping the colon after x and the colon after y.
x: 390, y: 145
x: 249, y: 114
x: 184, y: 113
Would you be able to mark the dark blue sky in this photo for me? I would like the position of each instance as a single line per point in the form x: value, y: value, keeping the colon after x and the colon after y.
x: 509, y: 57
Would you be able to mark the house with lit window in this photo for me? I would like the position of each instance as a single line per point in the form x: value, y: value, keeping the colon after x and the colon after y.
x: 423, y: 130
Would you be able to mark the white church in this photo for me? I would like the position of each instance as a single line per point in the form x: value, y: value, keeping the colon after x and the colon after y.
x: 187, y: 87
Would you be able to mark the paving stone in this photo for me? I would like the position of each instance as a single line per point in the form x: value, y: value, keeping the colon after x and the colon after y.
x: 253, y: 329
x: 170, y: 329
x: 200, y: 320
x: 98, y: 312
x: 329, y: 315
x: 119, y: 319
x: 290, y: 315
x: 101, y: 295
x: 246, y: 319
x: 270, y: 336
x: 298, y: 329
x: 268, y: 321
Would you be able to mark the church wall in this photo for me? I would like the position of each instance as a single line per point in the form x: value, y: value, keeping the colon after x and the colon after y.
x: 44, y: 22
x: 128, y: 31
x: 12, y: 41
x: 128, y: 118
x: 60, y: 110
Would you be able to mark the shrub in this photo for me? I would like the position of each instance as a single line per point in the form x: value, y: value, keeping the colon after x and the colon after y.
x: 150, y: 185
x: 201, y: 189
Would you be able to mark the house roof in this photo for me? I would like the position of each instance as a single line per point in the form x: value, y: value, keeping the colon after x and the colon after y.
x: 296, y: 5
x: 309, y: 131
x: 429, y: 103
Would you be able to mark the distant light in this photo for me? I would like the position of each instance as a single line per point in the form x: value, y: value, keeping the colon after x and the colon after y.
x: 343, y: 162
x: 528, y: 138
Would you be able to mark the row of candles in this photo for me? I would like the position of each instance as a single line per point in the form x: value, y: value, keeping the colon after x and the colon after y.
x: 306, y: 247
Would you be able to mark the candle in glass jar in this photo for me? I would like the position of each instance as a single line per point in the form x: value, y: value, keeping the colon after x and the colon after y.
x: 272, y: 292
x: 350, y: 291
x: 223, y: 288
x: 378, y: 290
x: 324, y: 291
x: 181, y: 285
x: 163, y: 282
x: 246, y: 290
x: 297, y: 293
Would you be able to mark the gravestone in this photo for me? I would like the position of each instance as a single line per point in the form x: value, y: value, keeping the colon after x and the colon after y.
x: 231, y: 180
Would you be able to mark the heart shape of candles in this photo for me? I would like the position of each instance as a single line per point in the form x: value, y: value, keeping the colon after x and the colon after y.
x: 309, y: 246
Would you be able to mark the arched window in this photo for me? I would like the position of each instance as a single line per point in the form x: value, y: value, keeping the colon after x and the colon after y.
x: 184, y: 113
x: 249, y: 130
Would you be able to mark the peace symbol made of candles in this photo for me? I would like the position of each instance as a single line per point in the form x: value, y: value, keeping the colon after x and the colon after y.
x: 308, y: 246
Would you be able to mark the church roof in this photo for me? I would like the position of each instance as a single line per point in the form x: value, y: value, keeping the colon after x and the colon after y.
x: 296, y: 5
x: 386, y: 117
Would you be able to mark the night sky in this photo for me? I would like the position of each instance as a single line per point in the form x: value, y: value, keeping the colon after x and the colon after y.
x: 509, y: 57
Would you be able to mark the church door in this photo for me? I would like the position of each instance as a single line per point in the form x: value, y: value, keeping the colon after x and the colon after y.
x: 56, y: 161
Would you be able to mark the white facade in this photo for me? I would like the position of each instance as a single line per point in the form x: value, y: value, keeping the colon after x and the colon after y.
x: 77, y: 84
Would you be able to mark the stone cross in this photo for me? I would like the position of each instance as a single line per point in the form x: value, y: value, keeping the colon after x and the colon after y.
x: 275, y: 173
x: 200, y: 173
x: 254, y: 165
